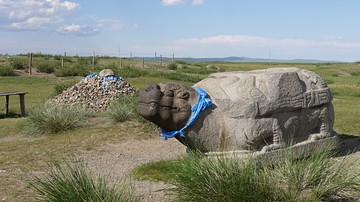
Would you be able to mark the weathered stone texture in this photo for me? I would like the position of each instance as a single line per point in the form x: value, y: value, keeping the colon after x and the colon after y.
x: 259, y: 110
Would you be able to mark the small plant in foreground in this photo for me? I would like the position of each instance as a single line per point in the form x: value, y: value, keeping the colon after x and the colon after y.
x: 53, y: 119
x: 59, y: 88
x: 221, y: 179
x: 72, y: 181
x: 317, y: 177
x: 123, y: 109
x: 7, y: 71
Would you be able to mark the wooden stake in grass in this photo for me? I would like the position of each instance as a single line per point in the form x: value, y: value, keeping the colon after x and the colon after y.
x: 30, y: 63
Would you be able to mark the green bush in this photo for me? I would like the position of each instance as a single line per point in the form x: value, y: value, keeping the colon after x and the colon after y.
x: 46, y: 67
x: 123, y: 109
x: 178, y: 76
x: 72, y: 181
x: 172, y: 66
x: 329, y: 81
x: 7, y: 71
x: 72, y: 71
x: 182, y: 62
x: 221, y: 179
x: 18, y: 63
x: 284, y: 177
x: 59, y: 88
x: 53, y: 119
x: 132, y: 72
x: 197, y: 70
x: 315, y: 178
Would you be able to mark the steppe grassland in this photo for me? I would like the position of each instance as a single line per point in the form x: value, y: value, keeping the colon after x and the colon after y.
x: 25, y: 155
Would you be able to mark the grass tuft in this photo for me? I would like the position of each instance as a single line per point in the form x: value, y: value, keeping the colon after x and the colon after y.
x: 123, y: 109
x: 221, y: 179
x: 53, y: 119
x: 315, y: 178
x: 72, y: 181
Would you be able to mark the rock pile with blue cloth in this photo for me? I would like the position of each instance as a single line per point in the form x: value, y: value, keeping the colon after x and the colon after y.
x: 95, y: 91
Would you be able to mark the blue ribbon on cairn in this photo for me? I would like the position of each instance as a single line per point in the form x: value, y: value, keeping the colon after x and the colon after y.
x: 203, y: 102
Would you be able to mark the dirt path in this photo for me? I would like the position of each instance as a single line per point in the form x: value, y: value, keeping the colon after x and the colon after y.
x: 120, y: 159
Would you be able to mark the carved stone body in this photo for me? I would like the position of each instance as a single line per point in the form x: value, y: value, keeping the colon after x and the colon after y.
x: 258, y: 110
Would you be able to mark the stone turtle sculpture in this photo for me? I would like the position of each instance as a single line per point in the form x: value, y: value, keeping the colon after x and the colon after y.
x: 259, y: 110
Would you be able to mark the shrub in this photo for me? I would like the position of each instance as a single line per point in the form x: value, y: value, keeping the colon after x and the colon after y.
x: 172, y: 66
x: 284, y: 177
x: 124, y: 109
x: 329, y: 81
x: 178, y: 76
x: 132, y: 72
x: 315, y: 178
x: 221, y: 179
x: 57, y: 57
x: 17, y: 63
x: 182, y: 62
x: 72, y: 181
x: 6, y: 71
x: 71, y: 71
x: 59, y: 88
x: 355, y: 73
x: 46, y: 67
x: 53, y: 119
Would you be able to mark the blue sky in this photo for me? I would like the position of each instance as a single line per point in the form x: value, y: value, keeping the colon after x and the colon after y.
x: 281, y: 29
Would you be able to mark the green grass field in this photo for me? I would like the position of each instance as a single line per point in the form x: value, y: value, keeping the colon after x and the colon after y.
x: 22, y: 155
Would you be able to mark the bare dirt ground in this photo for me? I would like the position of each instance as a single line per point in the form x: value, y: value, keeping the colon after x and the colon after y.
x: 120, y: 159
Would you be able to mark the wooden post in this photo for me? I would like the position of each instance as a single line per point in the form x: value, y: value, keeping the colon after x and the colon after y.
x: 30, y: 63
x: 6, y: 105
x: 160, y: 59
x: 62, y: 62
x: 22, y: 104
x: 142, y: 65
x: 173, y: 58
x: 93, y: 60
x: 155, y: 55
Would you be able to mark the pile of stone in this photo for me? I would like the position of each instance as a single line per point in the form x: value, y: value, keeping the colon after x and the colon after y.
x: 95, y: 92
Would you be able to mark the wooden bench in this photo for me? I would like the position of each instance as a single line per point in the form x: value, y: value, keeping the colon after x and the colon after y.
x: 22, y: 101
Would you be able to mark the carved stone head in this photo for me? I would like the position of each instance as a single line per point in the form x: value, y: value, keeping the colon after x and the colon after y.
x: 168, y: 105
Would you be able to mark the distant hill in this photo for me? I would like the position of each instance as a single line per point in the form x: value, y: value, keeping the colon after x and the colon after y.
x: 239, y: 59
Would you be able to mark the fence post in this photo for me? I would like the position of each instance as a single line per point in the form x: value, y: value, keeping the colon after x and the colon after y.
x: 30, y: 63
x: 93, y: 60
x: 142, y: 63
x: 160, y: 59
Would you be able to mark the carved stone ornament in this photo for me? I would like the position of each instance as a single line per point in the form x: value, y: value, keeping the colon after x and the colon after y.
x: 260, y: 110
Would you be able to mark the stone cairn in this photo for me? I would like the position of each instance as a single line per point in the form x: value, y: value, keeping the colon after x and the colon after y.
x: 95, y: 92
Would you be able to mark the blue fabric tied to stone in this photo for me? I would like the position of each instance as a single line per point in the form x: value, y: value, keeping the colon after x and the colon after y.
x: 203, y: 102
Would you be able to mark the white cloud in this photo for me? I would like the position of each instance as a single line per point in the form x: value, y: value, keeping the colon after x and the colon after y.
x: 198, y: 2
x: 259, y: 41
x: 172, y: 2
x: 328, y: 47
x: 178, y: 2
x: 78, y: 30
x: 33, y: 14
